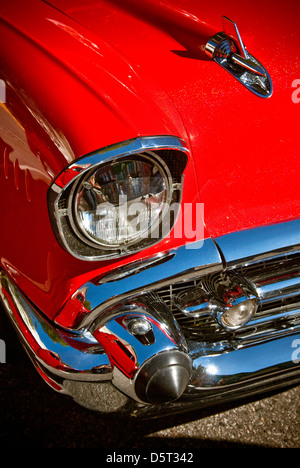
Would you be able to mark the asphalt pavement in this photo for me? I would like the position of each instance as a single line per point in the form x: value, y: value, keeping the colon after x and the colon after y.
x: 34, y: 416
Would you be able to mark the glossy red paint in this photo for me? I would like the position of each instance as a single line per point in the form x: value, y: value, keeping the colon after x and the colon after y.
x: 73, y: 312
x: 245, y: 149
x: 90, y: 74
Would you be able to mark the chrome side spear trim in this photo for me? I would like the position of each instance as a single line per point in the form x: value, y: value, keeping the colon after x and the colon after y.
x: 227, y: 49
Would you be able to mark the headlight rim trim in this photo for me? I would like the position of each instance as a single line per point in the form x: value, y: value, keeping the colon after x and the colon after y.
x: 75, y: 189
x: 84, y: 164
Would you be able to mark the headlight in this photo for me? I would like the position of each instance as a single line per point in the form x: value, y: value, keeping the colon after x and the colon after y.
x: 119, y: 200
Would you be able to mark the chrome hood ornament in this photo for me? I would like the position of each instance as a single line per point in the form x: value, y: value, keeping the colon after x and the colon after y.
x: 227, y: 49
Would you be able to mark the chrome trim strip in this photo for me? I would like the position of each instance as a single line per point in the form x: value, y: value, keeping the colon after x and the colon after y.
x: 64, y: 355
x: 212, y: 371
x: 188, y: 262
x: 177, y: 265
x: 240, y: 391
x: 244, y: 247
x: 126, y: 148
x: 279, y: 289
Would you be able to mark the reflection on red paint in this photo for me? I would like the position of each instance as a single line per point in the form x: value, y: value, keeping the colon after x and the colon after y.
x: 68, y: 175
x: 73, y: 312
x: 50, y: 382
x: 119, y: 355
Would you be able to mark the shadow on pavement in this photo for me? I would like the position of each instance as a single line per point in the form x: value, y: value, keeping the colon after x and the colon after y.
x: 33, y: 415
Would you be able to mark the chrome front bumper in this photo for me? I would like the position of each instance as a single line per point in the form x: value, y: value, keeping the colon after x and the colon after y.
x: 93, y: 349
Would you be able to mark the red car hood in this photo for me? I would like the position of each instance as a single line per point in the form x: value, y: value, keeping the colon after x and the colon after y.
x: 246, y: 149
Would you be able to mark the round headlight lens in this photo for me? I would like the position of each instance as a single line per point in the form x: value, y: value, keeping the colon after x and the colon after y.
x: 121, y: 201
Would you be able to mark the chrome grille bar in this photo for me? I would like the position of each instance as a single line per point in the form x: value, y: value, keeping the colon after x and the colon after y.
x: 277, y: 282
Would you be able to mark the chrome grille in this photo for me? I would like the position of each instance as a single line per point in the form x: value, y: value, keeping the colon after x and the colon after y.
x: 204, y: 327
x: 277, y: 282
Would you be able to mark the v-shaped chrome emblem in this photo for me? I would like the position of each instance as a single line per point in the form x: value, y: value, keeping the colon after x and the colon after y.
x: 228, y: 50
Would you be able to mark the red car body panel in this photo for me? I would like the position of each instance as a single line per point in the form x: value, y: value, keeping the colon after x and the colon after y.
x: 89, y: 76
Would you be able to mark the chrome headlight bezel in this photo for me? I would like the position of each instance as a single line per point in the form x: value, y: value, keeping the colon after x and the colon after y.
x: 170, y: 154
x: 77, y: 223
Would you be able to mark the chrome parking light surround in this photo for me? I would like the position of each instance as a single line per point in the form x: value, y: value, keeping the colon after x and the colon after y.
x: 63, y: 189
